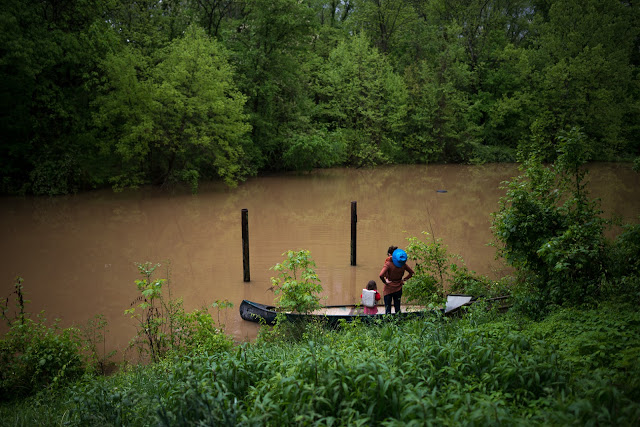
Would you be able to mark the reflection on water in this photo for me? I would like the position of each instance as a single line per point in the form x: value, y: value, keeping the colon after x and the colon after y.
x: 77, y: 254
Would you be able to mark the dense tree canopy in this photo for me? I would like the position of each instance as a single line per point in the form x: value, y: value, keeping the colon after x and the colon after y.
x: 124, y: 93
x: 362, y: 100
x: 176, y: 115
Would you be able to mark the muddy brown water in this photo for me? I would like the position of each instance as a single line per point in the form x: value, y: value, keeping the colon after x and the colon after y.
x: 77, y: 254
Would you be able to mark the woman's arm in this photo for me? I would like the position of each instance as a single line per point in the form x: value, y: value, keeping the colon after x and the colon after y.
x: 383, y: 274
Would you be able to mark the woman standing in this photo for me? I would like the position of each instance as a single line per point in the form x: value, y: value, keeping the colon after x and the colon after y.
x: 392, y: 275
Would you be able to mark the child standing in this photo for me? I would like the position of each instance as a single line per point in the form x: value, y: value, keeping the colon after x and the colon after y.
x: 370, y: 298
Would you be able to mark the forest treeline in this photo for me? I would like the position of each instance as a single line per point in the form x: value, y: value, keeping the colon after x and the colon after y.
x: 122, y: 93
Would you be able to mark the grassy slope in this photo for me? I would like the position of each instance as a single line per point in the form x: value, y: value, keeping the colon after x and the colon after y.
x: 576, y: 367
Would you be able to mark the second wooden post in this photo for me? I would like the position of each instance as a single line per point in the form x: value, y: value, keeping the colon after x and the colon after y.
x: 245, y: 245
x: 354, y: 220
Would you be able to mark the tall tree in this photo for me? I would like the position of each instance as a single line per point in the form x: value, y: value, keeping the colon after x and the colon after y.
x: 47, y: 50
x: 363, y: 101
x: 211, y: 14
x: 173, y: 116
x: 384, y: 21
x: 465, y: 66
x: 585, y: 74
x: 332, y: 24
x: 149, y: 24
x: 439, y: 127
x: 270, y: 45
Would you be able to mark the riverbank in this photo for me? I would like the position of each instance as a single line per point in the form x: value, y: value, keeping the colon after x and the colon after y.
x: 576, y: 366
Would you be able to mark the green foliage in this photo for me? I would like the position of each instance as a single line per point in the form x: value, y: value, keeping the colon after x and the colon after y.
x: 431, y: 268
x: 439, y: 127
x: 163, y: 326
x: 34, y: 355
x: 172, y: 116
x: 288, y: 331
x: 382, y: 21
x: 19, y: 314
x: 422, y: 290
x: 625, y: 265
x: 94, y: 335
x: 220, y: 305
x: 583, y: 73
x: 465, y: 281
x: 627, y: 249
x: 43, y: 409
x: 550, y: 230
x: 48, y: 51
x: 505, y: 106
x: 270, y: 41
x: 148, y: 24
x: 313, y: 149
x: 575, y: 367
x: 432, y: 258
x: 438, y: 273
x: 363, y: 101
x: 197, y: 331
x: 595, y: 339
x: 297, y: 285
x: 124, y: 398
x: 127, y: 93
x: 152, y: 338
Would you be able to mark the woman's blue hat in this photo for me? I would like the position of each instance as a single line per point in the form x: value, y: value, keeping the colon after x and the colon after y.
x: 399, y: 257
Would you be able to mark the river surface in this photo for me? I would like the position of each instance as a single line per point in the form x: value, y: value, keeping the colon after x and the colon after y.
x: 78, y: 254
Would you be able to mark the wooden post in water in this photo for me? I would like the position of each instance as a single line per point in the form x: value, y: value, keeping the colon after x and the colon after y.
x: 245, y: 245
x: 354, y: 220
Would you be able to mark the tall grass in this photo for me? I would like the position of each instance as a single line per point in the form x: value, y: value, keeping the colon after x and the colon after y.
x: 575, y: 367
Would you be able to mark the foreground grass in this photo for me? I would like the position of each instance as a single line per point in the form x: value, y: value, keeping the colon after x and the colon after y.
x: 577, y: 367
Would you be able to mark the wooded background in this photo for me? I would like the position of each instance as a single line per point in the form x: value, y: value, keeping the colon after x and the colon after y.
x: 122, y: 93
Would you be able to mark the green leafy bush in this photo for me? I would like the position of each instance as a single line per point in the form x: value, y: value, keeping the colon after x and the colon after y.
x: 625, y: 264
x: 575, y: 367
x: 438, y: 273
x: 197, y: 332
x: 122, y: 399
x: 164, y: 326
x: 34, y: 355
x: 465, y: 281
x: 154, y: 330
x: 313, y: 148
x: 362, y: 101
x: 422, y: 289
x: 432, y: 259
x: 551, y: 231
x: 297, y: 285
x: 171, y: 114
x: 53, y: 175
